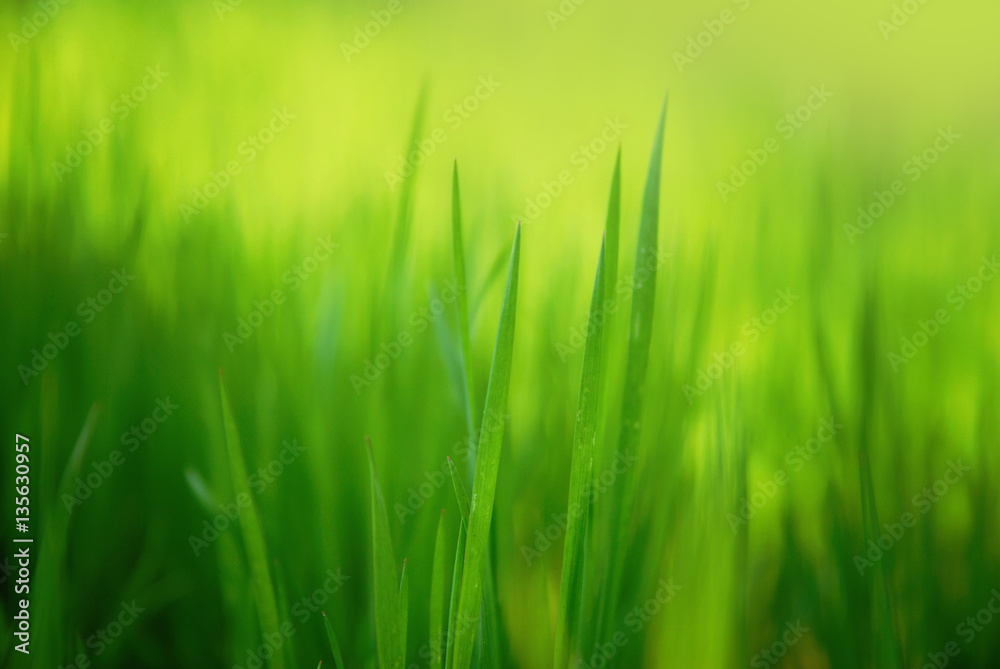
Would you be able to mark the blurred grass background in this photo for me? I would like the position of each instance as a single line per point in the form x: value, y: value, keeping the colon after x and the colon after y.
x: 324, y: 175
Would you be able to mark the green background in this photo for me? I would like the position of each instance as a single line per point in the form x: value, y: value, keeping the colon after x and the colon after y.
x: 324, y: 176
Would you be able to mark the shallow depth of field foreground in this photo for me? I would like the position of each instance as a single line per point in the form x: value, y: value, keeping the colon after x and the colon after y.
x: 429, y: 334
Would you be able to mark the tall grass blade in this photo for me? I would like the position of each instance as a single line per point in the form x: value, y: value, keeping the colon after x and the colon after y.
x: 640, y: 333
x: 462, y: 305
x: 460, y: 494
x: 253, y: 533
x: 456, y: 584
x: 611, y: 228
x: 404, y: 606
x: 484, y: 484
x: 284, y: 611
x: 490, y: 640
x: 334, y: 646
x: 388, y: 632
x: 581, y: 472
x: 439, y: 575
x: 50, y: 578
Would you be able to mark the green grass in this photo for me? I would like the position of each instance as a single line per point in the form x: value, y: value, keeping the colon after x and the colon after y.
x: 581, y: 474
x: 502, y: 428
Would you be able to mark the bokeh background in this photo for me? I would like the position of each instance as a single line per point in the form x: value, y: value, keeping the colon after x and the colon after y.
x: 560, y: 75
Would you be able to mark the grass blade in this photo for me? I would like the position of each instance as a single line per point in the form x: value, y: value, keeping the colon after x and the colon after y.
x: 456, y: 585
x: 640, y: 333
x: 611, y: 228
x: 462, y: 304
x: 334, y: 646
x: 387, y: 619
x: 404, y: 607
x: 484, y: 484
x: 581, y: 471
x: 284, y: 610
x: 588, y: 615
x: 253, y: 533
x: 489, y: 647
x: 460, y: 494
x: 438, y: 576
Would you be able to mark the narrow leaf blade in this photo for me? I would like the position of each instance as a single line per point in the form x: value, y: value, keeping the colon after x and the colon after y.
x: 581, y: 472
x: 438, y: 576
x: 387, y: 618
x: 640, y: 335
x: 487, y: 465
x: 334, y: 646
x: 253, y: 533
